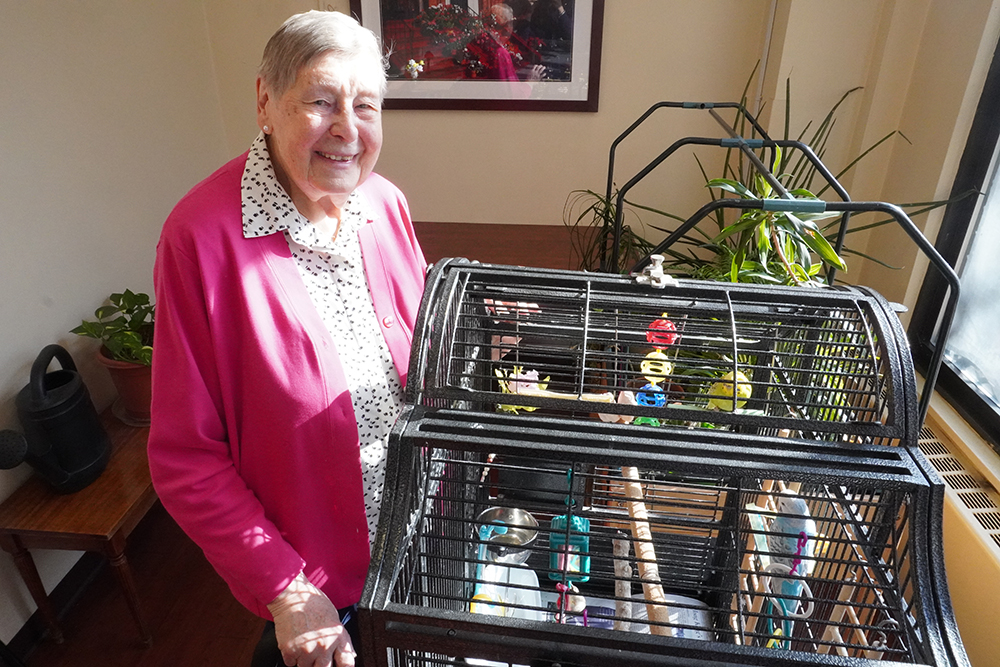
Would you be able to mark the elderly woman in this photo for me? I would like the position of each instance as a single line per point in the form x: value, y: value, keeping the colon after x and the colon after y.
x: 287, y: 285
x: 488, y: 53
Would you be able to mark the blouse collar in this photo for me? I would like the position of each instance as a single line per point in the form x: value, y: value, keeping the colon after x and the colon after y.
x: 268, y: 209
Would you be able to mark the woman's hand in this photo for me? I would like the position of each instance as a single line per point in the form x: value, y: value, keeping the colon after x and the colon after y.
x: 308, y: 628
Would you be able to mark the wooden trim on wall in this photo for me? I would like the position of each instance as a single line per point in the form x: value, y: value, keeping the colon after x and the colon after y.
x: 543, y: 246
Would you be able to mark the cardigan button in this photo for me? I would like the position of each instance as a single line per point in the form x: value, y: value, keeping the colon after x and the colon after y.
x: 388, y: 321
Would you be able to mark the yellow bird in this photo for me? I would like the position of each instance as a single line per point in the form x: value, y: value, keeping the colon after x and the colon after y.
x: 722, y: 391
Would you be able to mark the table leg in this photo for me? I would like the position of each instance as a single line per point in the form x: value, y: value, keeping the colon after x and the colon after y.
x: 116, y: 555
x: 8, y: 655
x: 29, y: 573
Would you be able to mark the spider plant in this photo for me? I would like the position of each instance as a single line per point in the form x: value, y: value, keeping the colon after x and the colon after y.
x: 590, y: 216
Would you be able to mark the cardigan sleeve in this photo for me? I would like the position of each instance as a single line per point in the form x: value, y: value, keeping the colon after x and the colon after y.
x: 190, y: 452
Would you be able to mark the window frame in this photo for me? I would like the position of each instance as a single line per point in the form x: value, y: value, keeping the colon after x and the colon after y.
x: 974, y: 172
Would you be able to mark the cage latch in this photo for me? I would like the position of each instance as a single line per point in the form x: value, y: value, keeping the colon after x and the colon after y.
x: 653, y: 274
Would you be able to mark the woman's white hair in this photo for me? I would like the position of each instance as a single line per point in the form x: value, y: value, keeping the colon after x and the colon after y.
x: 304, y: 36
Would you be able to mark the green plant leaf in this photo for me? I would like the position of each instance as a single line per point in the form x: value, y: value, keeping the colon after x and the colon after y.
x: 804, y: 169
x: 657, y: 211
x: 731, y: 186
x: 788, y: 112
x: 764, y: 188
x: 848, y: 251
x: 822, y: 247
x: 746, y: 221
x: 125, y: 326
x: 798, y: 274
x: 790, y: 223
x: 89, y: 329
x: 105, y: 312
x: 858, y: 159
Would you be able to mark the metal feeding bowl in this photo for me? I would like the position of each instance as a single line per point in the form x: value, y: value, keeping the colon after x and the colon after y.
x: 507, y: 534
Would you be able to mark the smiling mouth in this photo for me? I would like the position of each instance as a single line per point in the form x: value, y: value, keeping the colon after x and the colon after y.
x: 336, y: 158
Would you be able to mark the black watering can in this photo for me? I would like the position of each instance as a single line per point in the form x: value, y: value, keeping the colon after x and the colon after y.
x: 63, y: 440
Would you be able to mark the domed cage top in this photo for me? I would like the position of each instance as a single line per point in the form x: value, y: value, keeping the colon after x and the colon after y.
x: 823, y: 363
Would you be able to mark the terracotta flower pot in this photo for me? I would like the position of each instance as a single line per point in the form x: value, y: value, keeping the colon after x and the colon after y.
x: 134, y: 385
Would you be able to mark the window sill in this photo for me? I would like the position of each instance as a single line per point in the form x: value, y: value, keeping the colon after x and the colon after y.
x: 979, y: 453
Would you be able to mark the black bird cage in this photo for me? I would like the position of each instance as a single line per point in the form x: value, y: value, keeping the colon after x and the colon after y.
x: 592, y: 471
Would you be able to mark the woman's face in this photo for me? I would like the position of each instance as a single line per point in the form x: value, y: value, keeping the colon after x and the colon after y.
x: 325, y: 131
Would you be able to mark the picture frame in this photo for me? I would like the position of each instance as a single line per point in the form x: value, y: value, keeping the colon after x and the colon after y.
x: 468, y: 55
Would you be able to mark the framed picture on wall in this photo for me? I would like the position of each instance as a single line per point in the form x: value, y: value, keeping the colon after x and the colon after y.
x: 528, y: 55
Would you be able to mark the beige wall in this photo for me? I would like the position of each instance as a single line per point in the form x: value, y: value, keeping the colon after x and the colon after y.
x: 520, y: 167
x: 110, y: 112
x: 113, y: 109
x: 237, y: 31
x: 935, y: 113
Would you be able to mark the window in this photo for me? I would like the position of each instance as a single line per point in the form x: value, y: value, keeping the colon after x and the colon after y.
x: 970, y: 241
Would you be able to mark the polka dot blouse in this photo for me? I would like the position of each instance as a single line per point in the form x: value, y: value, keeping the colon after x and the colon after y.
x: 335, y: 279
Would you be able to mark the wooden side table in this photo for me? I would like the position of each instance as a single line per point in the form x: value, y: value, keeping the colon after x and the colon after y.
x: 99, y: 517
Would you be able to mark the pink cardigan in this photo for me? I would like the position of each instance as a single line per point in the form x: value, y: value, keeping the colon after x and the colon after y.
x: 254, y: 445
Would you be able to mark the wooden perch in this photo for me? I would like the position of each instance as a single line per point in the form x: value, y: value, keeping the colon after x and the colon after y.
x: 604, y: 397
x: 656, y: 602
x: 623, y: 584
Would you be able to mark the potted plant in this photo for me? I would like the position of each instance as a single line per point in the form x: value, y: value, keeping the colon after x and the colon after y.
x: 590, y: 216
x: 125, y: 329
x: 758, y: 247
x: 763, y: 245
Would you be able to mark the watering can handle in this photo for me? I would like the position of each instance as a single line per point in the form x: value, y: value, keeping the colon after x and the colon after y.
x: 41, y: 366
